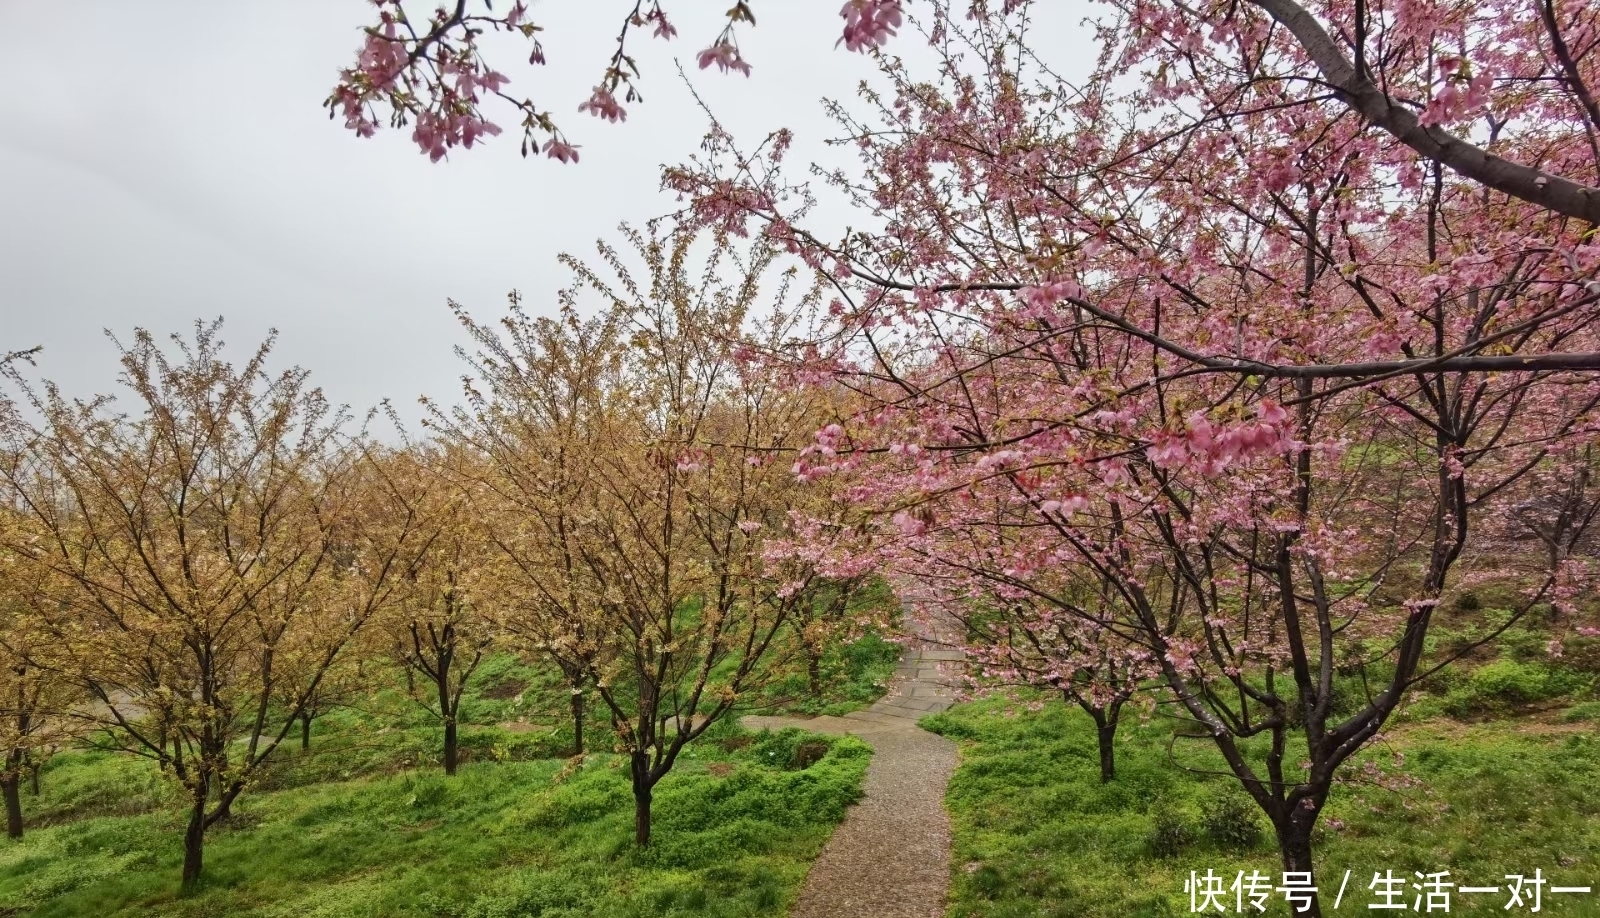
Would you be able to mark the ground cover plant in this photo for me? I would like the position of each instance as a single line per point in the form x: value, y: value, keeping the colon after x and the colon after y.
x: 737, y: 826
x: 1501, y: 787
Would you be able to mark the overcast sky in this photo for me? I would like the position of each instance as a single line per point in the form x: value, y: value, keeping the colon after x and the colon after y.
x: 169, y: 160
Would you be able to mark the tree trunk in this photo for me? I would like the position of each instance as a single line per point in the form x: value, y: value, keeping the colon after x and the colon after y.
x: 194, y: 838
x: 1107, y: 732
x: 1294, y: 847
x: 11, y: 785
x: 224, y: 810
x: 814, y: 672
x: 577, y: 721
x: 33, y: 777
x: 450, y: 749
x: 305, y: 730
x: 642, y: 790
x: 641, y: 817
x: 1105, y: 727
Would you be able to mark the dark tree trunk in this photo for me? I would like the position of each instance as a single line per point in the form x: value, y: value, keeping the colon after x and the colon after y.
x: 450, y: 747
x: 1107, y: 732
x: 194, y: 838
x: 33, y: 777
x: 577, y: 722
x: 1105, y: 727
x: 411, y: 681
x: 814, y: 672
x: 642, y: 791
x: 305, y: 730
x: 1294, y: 847
x: 224, y: 810
x: 641, y: 817
x: 11, y: 786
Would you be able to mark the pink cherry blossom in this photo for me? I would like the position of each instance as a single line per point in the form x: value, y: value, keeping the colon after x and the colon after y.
x: 869, y: 23
x: 602, y: 104
x: 562, y: 151
x: 725, y: 55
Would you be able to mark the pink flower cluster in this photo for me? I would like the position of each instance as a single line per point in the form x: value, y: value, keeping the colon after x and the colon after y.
x: 868, y: 23
x: 1460, y: 96
x: 1040, y: 302
x: 829, y: 440
x: 436, y: 133
x: 1065, y: 506
x: 602, y: 104
x: 663, y: 28
x: 1210, y: 448
x: 725, y: 54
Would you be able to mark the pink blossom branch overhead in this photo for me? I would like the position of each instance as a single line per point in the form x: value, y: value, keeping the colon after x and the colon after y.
x: 434, y: 77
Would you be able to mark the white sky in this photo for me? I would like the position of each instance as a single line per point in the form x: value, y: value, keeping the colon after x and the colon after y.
x: 169, y: 160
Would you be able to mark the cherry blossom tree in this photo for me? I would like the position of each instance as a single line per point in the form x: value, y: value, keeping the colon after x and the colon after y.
x: 1209, y: 335
x: 208, y: 556
x: 633, y: 458
x: 37, y: 705
x: 1415, y: 73
x: 534, y: 425
x: 1260, y: 325
x: 433, y: 74
x: 1052, y: 628
x: 437, y: 624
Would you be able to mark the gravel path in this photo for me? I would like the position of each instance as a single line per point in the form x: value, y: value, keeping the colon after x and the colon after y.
x: 891, y: 856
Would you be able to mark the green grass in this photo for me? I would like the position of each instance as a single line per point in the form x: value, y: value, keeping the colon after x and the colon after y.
x: 364, y: 824
x: 854, y: 675
x: 1037, y: 834
x: 736, y: 827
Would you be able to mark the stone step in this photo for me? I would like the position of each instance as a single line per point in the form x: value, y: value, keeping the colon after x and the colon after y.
x: 872, y: 717
x: 905, y: 708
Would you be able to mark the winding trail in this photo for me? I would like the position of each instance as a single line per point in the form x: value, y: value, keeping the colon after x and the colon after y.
x: 890, y: 858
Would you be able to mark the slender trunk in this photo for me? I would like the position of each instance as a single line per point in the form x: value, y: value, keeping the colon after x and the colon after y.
x: 411, y: 681
x: 642, y: 790
x: 814, y: 672
x: 577, y: 721
x: 195, y: 836
x: 1106, y: 729
x: 451, y: 754
x: 305, y: 730
x: 11, y: 786
x: 1294, y: 847
x: 33, y: 777
x: 641, y: 817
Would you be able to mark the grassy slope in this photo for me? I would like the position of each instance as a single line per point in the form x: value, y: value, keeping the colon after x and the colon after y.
x: 363, y: 825
x: 734, y: 837
x: 1036, y: 834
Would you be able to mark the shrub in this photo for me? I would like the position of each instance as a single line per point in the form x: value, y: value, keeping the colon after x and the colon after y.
x: 1589, y: 710
x: 988, y: 882
x: 1171, y: 833
x: 1229, y: 819
x: 790, y: 749
x: 499, y: 745
x: 1508, y: 683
